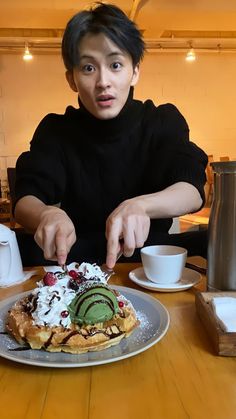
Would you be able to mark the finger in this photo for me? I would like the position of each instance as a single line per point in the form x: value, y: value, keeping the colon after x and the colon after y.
x: 129, y: 238
x: 50, y: 251
x: 112, y: 253
x: 139, y: 239
x: 146, y: 229
x: 61, y: 247
x: 38, y: 239
x: 70, y: 241
x: 45, y: 240
x: 141, y: 233
x: 113, y: 244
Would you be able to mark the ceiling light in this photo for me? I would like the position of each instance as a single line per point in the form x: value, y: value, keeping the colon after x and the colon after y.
x: 27, y: 55
x: 190, y: 56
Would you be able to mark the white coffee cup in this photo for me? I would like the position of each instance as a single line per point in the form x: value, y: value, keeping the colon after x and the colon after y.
x: 163, y: 264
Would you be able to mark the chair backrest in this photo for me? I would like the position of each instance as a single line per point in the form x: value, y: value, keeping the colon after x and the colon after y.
x: 224, y: 158
x: 210, y: 180
x: 11, y: 176
x: 209, y: 171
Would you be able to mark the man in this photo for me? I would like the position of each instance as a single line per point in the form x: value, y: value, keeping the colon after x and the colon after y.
x: 118, y: 167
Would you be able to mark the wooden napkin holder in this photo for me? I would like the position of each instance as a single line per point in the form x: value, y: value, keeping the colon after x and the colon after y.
x: 224, y: 342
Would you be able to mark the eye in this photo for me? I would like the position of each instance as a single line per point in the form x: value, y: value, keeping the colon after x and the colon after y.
x: 88, y: 68
x: 116, y: 65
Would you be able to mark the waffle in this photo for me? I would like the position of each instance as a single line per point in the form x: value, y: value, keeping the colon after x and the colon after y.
x: 75, y: 337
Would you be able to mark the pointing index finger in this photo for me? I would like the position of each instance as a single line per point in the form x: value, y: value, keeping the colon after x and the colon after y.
x: 61, y: 248
x: 113, y: 246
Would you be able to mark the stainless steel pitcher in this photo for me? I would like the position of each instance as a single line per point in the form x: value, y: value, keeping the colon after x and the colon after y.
x: 221, y: 263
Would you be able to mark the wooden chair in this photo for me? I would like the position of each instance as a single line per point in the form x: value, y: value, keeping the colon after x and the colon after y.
x: 11, y: 176
x: 210, y: 181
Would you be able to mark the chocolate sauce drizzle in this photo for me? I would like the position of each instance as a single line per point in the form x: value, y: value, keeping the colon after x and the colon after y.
x: 20, y: 348
x: 82, y: 300
x: 49, y: 340
x: 31, y: 303
x: 73, y: 333
x: 108, y: 303
x: 93, y: 331
x: 55, y: 295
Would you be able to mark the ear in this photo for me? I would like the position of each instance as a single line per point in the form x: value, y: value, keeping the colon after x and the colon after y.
x: 135, y: 75
x: 70, y: 79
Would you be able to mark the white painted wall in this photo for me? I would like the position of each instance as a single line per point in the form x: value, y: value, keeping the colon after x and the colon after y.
x: 28, y: 91
x: 204, y: 91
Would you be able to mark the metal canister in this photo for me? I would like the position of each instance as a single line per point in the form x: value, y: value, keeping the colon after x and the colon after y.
x: 221, y: 260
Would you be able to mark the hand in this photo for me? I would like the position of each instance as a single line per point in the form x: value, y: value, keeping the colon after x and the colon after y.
x: 129, y: 222
x: 55, y: 234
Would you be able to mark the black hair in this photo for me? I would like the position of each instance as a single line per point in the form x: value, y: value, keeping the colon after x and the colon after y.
x: 109, y: 20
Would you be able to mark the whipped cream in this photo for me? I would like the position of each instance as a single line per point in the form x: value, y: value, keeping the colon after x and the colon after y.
x: 50, y: 305
x: 127, y: 303
x: 52, y: 301
x: 92, y: 272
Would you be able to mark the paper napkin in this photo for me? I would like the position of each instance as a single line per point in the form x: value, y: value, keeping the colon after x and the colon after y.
x: 25, y: 275
x: 225, y: 311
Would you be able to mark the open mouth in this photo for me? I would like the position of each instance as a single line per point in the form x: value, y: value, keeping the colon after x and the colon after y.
x: 105, y: 100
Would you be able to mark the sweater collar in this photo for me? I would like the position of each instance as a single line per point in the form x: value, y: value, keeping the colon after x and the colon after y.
x: 110, y: 129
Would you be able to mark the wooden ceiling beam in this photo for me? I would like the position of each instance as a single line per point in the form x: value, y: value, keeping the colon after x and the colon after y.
x: 197, y: 34
x: 31, y: 33
x: 136, y: 6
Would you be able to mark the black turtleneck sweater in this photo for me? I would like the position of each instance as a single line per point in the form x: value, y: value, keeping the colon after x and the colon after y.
x: 90, y: 166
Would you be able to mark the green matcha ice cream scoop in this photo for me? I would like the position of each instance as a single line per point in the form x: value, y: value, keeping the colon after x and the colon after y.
x: 95, y: 304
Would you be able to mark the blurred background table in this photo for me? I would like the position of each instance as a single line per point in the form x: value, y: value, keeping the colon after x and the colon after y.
x: 195, y: 221
x: 4, y: 210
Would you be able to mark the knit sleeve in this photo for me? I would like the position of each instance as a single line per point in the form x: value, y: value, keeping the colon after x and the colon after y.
x: 175, y: 156
x: 41, y: 171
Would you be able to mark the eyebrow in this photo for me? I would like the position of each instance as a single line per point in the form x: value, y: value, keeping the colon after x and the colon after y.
x: 112, y: 54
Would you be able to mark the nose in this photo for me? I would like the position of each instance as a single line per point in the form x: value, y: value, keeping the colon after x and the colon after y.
x: 103, y: 78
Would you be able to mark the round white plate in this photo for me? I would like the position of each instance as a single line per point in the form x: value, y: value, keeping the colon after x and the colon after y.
x: 188, y: 280
x: 154, y: 323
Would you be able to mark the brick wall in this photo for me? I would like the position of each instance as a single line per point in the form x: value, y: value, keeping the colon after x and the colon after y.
x: 204, y: 91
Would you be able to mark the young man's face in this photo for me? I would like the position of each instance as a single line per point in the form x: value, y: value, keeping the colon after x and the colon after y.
x: 103, y: 77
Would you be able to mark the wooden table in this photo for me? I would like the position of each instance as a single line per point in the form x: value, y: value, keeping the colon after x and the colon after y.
x: 177, y: 378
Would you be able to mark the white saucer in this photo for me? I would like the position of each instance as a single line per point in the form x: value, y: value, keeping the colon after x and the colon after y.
x: 188, y: 280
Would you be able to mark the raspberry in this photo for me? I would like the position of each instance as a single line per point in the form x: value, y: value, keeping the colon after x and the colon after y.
x: 73, y: 274
x: 121, y: 304
x: 49, y: 279
x: 64, y: 314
